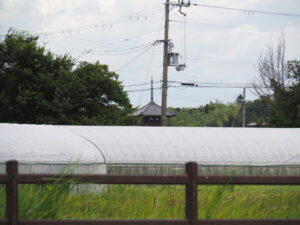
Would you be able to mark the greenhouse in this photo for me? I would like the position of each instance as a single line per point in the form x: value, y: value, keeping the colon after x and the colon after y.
x: 150, y: 150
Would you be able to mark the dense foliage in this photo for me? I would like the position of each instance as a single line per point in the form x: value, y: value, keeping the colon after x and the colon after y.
x: 279, y: 82
x: 281, y: 107
x: 38, y: 87
x: 211, y: 115
x: 288, y: 104
x: 261, y: 112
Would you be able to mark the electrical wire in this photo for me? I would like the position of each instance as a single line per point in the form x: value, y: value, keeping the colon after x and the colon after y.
x: 209, y: 83
x: 151, y: 58
x: 221, y: 60
x: 141, y: 84
x: 132, y: 60
x: 108, y: 23
x: 217, y: 86
x: 123, y: 51
x: 233, y: 26
x: 144, y: 89
x: 188, y: 96
x: 249, y: 11
x: 195, y: 82
x: 214, y: 86
x: 102, y: 44
x: 197, y: 86
x: 135, y: 36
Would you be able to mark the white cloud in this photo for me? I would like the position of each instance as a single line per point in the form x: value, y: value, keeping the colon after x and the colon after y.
x: 9, y: 4
x: 46, y: 8
x: 107, y: 6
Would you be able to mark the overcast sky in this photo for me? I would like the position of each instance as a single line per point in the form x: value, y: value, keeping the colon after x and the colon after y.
x: 217, y: 45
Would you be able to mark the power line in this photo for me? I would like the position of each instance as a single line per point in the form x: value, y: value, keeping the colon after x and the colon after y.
x: 209, y: 83
x: 107, y: 24
x: 198, y: 99
x: 216, y: 86
x: 249, y: 11
x: 133, y: 59
x: 115, y: 52
x: 123, y: 51
x: 198, y: 78
x: 97, y: 43
x: 192, y: 97
x: 151, y: 58
x: 233, y: 26
x: 200, y: 86
x: 136, y: 36
x: 221, y: 60
x: 196, y: 83
x: 144, y: 89
x: 141, y: 84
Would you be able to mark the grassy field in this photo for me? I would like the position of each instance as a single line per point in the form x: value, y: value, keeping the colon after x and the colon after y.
x: 157, y: 202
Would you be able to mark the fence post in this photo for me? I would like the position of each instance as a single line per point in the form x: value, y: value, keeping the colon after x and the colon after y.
x: 191, y: 194
x: 12, y: 192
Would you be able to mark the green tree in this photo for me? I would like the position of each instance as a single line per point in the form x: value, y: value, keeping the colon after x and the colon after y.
x: 96, y: 96
x: 279, y: 80
x: 37, y: 86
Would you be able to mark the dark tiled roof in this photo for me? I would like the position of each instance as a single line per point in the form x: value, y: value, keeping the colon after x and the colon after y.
x: 151, y: 109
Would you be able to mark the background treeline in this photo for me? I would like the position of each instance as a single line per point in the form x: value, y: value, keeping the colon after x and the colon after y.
x: 217, y: 114
x: 262, y: 112
x: 213, y: 114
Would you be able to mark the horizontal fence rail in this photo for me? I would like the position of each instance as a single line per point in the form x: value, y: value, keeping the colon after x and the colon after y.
x: 191, y: 181
x: 156, y: 222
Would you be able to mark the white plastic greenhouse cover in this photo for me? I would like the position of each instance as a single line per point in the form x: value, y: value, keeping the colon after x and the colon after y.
x: 45, y: 143
x: 163, y: 145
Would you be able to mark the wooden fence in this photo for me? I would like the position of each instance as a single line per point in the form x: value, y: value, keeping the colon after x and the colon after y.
x: 190, y: 180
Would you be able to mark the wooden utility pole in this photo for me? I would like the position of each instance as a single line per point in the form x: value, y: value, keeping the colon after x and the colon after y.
x: 244, y: 107
x: 152, y: 89
x: 165, y: 67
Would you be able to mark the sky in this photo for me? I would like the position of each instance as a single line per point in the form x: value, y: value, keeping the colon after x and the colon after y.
x: 218, y: 46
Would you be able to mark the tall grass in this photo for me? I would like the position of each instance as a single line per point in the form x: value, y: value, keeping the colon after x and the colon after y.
x: 155, y: 201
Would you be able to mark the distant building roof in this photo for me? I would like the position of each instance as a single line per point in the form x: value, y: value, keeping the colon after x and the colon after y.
x: 152, y: 109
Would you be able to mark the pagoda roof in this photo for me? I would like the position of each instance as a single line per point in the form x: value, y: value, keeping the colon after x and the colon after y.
x: 151, y: 109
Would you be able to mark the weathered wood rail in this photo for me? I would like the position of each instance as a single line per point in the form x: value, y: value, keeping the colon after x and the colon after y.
x: 191, y: 180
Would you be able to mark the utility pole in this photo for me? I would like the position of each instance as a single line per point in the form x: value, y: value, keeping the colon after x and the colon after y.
x: 170, y: 58
x: 244, y: 107
x: 165, y: 67
x: 151, y: 89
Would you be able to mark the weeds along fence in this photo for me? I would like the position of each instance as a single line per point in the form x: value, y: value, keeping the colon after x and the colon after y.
x: 190, y: 179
